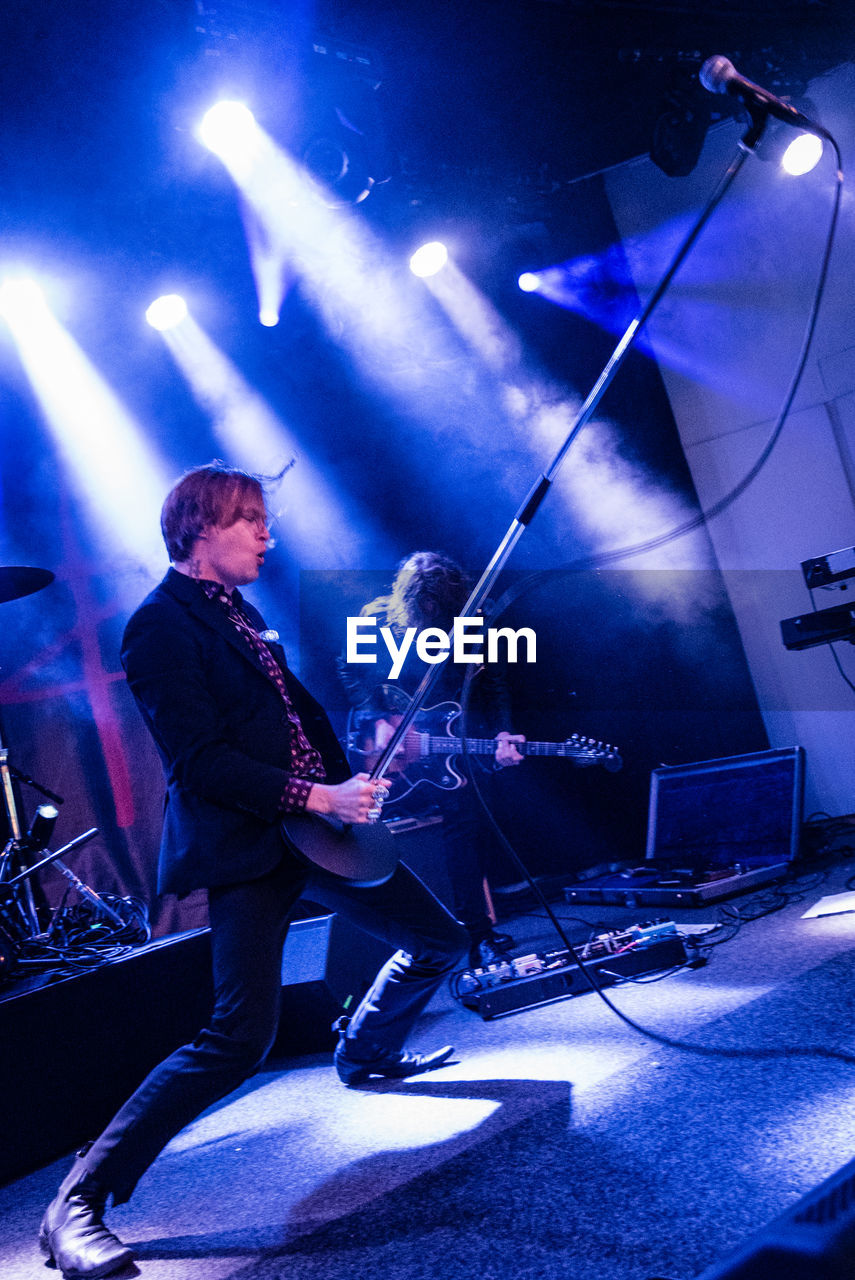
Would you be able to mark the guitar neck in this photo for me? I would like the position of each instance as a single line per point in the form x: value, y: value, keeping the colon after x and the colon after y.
x: 431, y: 745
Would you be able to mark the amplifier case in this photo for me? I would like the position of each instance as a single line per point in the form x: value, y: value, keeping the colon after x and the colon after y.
x: 716, y: 828
x: 738, y: 811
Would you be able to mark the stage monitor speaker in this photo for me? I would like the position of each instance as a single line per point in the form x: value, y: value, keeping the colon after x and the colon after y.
x: 76, y: 1045
x: 815, y: 1240
x: 327, y: 966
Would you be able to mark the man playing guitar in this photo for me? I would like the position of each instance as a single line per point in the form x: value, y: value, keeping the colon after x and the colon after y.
x: 429, y: 590
x: 245, y: 750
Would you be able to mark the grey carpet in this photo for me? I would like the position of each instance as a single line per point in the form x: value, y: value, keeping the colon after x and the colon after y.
x: 558, y: 1144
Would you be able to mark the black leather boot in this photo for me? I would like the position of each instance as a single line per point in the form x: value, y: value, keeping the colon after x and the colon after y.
x: 356, y: 1063
x: 73, y: 1234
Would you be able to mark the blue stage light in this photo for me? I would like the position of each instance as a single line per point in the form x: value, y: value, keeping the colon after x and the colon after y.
x: 117, y: 474
x: 323, y: 526
x: 429, y: 259
x: 227, y: 128
x: 802, y: 155
x: 166, y: 312
x: 21, y: 298
x: 529, y: 282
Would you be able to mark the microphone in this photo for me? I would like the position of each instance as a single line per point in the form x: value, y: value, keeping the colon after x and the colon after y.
x: 41, y: 828
x: 719, y: 75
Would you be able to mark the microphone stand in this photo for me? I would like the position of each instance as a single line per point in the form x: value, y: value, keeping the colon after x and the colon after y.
x: 37, y: 786
x: 542, y: 485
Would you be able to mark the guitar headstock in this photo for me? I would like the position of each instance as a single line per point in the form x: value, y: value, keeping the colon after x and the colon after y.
x: 586, y: 752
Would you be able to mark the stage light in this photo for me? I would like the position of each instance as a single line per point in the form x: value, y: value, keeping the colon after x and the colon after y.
x: 340, y: 168
x: 166, y: 312
x: 117, y: 474
x: 268, y: 317
x: 529, y: 282
x: 294, y: 233
x: 802, y: 155
x: 228, y: 128
x: 429, y: 259
x: 21, y: 298
x: 796, y: 152
x: 680, y: 129
x: 41, y: 829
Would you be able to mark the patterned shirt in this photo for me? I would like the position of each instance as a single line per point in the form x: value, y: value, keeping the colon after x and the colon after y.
x: 304, y: 767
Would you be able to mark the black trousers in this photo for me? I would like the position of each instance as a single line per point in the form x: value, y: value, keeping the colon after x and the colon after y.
x: 249, y: 923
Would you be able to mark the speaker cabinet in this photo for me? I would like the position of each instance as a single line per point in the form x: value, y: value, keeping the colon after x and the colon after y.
x: 327, y: 966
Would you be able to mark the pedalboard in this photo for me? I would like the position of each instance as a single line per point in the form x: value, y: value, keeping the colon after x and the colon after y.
x: 525, y: 981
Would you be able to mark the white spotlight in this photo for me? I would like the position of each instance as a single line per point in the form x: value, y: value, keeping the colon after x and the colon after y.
x: 228, y: 128
x: 21, y: 298
x: 166, y: 312
x: 268, y: 317
x: 802, y: 155
x: 529, y: 282
x: 429, y: 259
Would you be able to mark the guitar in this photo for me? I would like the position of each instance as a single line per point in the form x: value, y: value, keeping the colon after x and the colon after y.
x: 427, y: 752
x: 366, y: 855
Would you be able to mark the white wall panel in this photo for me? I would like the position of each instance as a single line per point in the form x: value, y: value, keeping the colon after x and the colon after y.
x: 726, y: 341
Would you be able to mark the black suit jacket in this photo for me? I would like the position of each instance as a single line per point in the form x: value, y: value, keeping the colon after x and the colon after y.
x: 220, y: 727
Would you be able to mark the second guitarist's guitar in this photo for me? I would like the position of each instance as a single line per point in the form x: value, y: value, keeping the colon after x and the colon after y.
x: 429, y: 750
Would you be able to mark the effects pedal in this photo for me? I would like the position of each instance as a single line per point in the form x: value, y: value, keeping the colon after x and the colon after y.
x: 521, y: 982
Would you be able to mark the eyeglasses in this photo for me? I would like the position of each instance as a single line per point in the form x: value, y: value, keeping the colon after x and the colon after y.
x: 260, y: 519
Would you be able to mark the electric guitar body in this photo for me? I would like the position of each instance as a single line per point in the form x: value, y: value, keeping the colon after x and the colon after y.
x: 363, y: 854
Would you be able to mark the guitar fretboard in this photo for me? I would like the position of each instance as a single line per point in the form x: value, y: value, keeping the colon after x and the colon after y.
x: 448, y: 744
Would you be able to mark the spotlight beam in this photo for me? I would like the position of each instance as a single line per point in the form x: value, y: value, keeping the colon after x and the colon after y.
x: 292, y: 230
x: 119, y: 478
x: 321, y: 527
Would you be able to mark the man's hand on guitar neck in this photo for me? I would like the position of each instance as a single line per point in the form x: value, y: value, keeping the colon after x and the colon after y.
x: 506, y: 750
x: 359, y: 799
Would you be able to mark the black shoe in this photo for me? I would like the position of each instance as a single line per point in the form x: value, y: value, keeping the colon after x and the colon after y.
x: 487, y: 952
x: 501, y: 941
x: 395, y: 1065
x: 73, y: 1235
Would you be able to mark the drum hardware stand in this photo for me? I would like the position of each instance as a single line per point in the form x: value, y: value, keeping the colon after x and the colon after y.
x: 19, y: 907
x: 8, y: 886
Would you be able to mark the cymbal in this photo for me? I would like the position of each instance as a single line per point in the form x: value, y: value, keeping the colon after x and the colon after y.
x: 19, y: 580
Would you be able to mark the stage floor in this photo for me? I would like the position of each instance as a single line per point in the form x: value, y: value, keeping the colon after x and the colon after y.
x: 558, y: 1142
